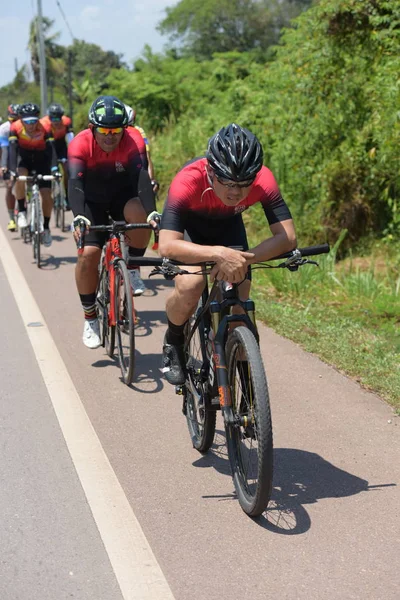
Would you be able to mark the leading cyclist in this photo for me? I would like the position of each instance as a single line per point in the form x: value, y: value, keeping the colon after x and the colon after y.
x: 106, y: 177
x: 206, y: 200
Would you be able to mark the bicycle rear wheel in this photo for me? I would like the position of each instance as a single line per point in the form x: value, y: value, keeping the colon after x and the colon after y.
x: 125, y: 321
x: 107, y: 331
x: 199, y: 415
x: 249, y: 438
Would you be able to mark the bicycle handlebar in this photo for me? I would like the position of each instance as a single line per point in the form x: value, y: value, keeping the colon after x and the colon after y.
x: 307, y: 251
x: 120, y: 226
x: 36, y: 177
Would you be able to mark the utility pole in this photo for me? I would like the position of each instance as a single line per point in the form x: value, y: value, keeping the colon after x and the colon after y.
x: 42, y: 59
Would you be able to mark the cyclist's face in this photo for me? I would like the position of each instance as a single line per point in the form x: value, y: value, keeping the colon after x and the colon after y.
x: 230, y: 196
x: 30, y: 127
x: 108, y: 142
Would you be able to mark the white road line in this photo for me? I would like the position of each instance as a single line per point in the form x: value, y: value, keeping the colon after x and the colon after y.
x: 135, y: 566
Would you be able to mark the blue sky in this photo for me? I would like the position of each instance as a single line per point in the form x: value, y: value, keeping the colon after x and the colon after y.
x: 124, y: 27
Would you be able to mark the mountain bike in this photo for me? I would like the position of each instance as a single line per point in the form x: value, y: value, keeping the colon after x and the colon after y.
x: 225, y: 371
x: 60, y: 203
x: 33, y: 231
x: 114, y: 297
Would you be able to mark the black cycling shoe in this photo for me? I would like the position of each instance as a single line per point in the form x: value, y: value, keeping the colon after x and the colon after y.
x: 173, y: 364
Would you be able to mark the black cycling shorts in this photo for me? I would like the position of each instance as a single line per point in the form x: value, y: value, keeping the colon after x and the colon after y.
x: 35, y: 161
x: 97, y: 213
x: 231, y: 232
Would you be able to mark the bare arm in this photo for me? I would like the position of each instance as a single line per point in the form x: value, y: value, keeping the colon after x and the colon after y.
x: 283, y: 239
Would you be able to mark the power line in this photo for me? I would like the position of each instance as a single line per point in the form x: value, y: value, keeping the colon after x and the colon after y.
x: 65, y: 20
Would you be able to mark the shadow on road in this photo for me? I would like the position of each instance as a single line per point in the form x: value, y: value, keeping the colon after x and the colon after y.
x: 48, y: 262
x: 147, y: 320
x: 148, y: 378
x: 300, y: 478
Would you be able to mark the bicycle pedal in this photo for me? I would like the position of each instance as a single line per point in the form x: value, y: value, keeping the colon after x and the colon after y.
x: 179, y: 390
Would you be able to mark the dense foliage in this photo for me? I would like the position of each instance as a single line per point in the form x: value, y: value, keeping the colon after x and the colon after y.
x: 202, y: 28
x: 326, y: 107
x: 324, y: 102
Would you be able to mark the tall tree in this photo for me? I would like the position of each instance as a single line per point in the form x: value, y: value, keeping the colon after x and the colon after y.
x: 201, y: 29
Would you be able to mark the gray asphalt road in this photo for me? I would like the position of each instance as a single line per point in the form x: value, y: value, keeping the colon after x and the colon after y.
x: 332, y: 530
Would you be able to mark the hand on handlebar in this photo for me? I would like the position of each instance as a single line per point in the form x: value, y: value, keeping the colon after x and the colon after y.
x: 230, y: 265
x: 80, y: 226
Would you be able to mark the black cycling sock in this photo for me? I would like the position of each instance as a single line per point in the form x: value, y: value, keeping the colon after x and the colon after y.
x: 175, y: 335
x: 21, y: 205
x: 88, y: 302
x: 46, y: 222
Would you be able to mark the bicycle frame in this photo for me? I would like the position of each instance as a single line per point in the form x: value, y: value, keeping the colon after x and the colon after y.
x: 220, y: 328
x: 112, y: 254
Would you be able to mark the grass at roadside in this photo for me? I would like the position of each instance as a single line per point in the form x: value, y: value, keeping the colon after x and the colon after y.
x: 348, y: 317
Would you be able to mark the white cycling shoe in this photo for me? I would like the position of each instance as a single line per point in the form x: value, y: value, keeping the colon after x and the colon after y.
x: 21, y: 220
x: 46, y: 238
x: 137, y: 284
x: 91, y: 334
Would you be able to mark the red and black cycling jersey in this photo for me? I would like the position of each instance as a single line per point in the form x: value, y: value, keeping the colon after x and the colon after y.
x: 96, y: 176
x: 193, y: 206
x: 58, y: 129
x: 40, y: 143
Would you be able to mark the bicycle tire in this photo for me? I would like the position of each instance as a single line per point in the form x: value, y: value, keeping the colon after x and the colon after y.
x: 36, y: 229
x: 107, y: 331
x: 200, y: 419
x: 125, y: 321
x: 56, y: 200
x: 253, y: 488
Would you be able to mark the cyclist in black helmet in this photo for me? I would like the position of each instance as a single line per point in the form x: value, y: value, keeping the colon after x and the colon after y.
x: 107, y: 176
x: 203, y: 216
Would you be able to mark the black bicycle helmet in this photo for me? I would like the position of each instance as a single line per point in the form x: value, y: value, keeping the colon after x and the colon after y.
x: 29, y: 110
x: 108, y: 111
x: 235, y: 153
x: 55, y: 111
x: 13, y: 111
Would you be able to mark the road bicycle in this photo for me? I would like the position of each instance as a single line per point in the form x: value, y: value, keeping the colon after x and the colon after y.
x: 114, y: 297
x: 60, y: 202
x: 33, y: 231
x: 225, y: 371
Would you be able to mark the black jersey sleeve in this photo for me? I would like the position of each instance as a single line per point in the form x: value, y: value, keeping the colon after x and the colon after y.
x: 276, y: 210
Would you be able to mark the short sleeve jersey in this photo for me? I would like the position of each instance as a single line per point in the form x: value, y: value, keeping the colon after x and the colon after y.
x: 35, y: 142
x: 102, y: 172
x: 138, y: 138
x: 192, y: 204
x: 58, y: 129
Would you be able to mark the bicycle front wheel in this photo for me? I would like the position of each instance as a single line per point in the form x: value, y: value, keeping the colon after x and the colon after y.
x: 107, y: 331
x: 125, y: 321
x: 249, y: 437
x: 199, y: 414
